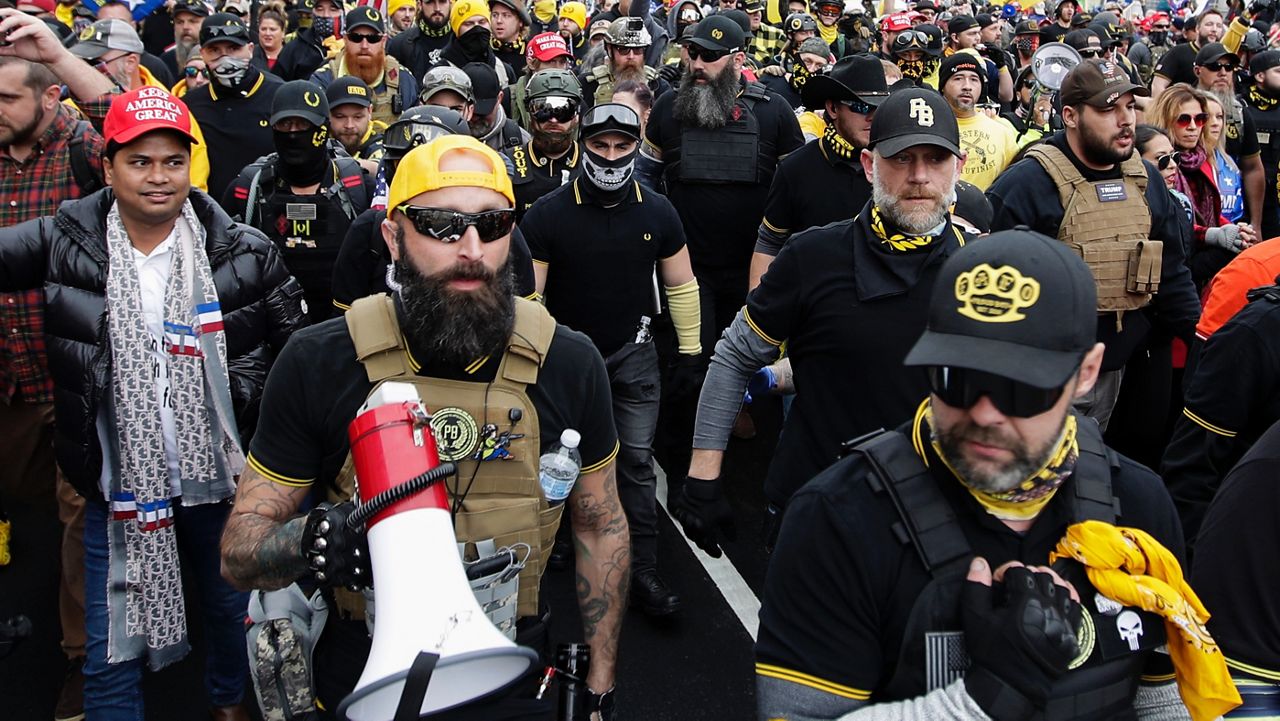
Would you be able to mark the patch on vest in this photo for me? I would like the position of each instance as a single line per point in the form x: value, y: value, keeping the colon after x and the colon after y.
x: 945, y: 658
x: 1111, y: 192
x: 456, y: 433
x: 995, y: 295
x: 1086, y: 638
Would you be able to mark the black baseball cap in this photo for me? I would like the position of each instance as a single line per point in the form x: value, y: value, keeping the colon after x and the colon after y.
x: 1027, y: 26
x: 1016, y: 304
x: 1099, y: 83
x: 985, y: 20
x: 365, y: 16
x: 484, y: 85
x: 349, y: 90
x: 1213, y: 52
x: 1264, y: 61
x: 300, y: 99
x: 961, y: 23
x: 220, y: 27
x: 972, y: 205
x: 916, y: 116
x: 195, y: 7
x: 718, y: 33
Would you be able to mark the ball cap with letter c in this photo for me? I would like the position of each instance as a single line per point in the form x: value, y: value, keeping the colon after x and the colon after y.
x: 915, y: 116
x: 1017, y: 304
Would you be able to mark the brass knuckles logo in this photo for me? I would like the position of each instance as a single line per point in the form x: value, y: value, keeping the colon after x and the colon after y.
x: 717, y: 33
x: 995, y: 295
x: 311, y: 99
x: 456, y: 433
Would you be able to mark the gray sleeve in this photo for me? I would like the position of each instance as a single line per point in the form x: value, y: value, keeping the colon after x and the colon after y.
x: 1160, y: 703
x: 739, y: 353
x: 778, y: 699
x: 770, y: 243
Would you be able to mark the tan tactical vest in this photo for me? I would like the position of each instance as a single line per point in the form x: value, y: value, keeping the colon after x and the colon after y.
x: 1108, y: 223
x: 501, y: 495
x: 604, y: 79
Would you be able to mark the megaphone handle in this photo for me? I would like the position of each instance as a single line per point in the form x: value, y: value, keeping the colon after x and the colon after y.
x: 370, y: 508
x: 415, y: 687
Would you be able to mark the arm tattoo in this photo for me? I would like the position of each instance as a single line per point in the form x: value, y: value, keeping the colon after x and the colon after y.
x: 604, y: 566
x: 261, y: 544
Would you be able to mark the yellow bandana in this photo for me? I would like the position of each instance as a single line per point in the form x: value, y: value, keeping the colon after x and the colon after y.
x: 897, y: 242
x: 1129, y: 566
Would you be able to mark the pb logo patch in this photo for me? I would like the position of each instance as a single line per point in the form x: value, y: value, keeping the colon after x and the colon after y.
x: 456, y: 433
x: 920, y: 111
x: 995, y: 295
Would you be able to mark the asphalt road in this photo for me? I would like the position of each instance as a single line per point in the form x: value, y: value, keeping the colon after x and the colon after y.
x: 692, y: 667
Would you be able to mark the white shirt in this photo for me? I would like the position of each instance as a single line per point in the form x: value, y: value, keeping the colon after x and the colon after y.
x: 153, y: 277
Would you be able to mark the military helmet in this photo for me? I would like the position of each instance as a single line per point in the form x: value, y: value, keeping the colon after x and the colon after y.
x: 628, y: 32
x: 553, y: 83
x: 797, y: 22
x: 419, y: 126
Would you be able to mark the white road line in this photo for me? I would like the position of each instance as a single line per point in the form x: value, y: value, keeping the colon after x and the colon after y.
x: 723, y: 574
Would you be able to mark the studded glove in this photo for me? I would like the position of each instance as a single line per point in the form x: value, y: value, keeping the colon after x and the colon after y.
x: 337, y: 555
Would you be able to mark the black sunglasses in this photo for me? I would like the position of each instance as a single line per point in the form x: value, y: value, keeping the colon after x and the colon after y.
x: 448, y: 225
x: 1163, y: 159
x: 214, y: 32
x: 1220, y: 67
x: 963, y: 387
x: 192, y: 72
x: 858, y: 106
x: 358, y: 38
x: 1090, y: 52
x: 559, y: 109
x: 707, y: 55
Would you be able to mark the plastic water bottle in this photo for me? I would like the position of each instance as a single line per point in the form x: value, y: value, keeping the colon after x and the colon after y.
x: 559, y: 467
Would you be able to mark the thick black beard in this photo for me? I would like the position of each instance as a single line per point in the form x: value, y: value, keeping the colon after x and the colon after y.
x: 1096, y: 150
x: 552, y: 143
x: 706, y: 106
x: 456, y: 328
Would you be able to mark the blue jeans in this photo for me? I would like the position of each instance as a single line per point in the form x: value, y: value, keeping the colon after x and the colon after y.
x: 113, y: 691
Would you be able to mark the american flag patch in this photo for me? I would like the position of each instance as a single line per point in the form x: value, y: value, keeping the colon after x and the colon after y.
x: 181, y: 340
x: 209, y: 317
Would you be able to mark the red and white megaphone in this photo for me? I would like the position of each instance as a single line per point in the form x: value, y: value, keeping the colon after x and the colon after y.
x: 424, y: 603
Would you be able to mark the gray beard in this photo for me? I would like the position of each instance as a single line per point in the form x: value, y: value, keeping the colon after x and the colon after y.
x: 706, y: 106
x: 1025, y: 461
x: 182, y: 52
x: 916, y: 222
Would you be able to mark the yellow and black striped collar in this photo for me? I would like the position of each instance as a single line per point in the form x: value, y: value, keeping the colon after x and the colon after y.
x: 572, y: 156
x: 213, y: 92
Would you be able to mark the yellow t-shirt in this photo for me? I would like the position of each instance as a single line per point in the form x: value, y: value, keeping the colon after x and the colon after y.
x: 990, y: 145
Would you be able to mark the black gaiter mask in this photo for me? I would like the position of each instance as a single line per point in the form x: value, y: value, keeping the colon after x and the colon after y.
x: 475, y: 43
x: 304, y: 155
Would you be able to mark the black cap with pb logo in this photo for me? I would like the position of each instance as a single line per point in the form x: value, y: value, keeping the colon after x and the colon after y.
x: 1017, y: 304
x: 300, y: 99
x: 915, y: 116
x: 349, y: 90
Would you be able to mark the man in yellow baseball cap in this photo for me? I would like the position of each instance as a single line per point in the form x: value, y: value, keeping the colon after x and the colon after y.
x: 453, y: 329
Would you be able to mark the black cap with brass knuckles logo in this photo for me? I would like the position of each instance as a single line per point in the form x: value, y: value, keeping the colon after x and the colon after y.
x: 1017, y: 304
x: 300, y: 99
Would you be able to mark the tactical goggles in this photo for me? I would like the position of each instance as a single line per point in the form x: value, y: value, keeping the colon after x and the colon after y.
x: 964, y: 387
x: 448, y: 225
x: 911, y: 40
x: 611, y: 117
x: 1185, y: 119
x: 371, y: 38
x: 400, y: 138
x: 557, y: 108
x: 708, y: 55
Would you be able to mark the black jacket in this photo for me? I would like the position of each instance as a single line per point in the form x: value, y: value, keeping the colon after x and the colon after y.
x: 413, y: 49
x: 67, y: 254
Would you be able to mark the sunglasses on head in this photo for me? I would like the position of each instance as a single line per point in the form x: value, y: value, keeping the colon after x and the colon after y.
x: 1185, y: 120
x: 707, y: 55
x: 559, y: 109
x: 448, y: 226
x: 1091, y: 52
x: 214, y: 32
x: 858, y: 106
x: 964, y: 387
x: 372, y: 38
x: 1220, y: 67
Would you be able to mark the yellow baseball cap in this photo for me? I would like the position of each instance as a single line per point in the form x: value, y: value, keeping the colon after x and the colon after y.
x: 464, y: 10
x: 576, y: 12
x: 419, y: 170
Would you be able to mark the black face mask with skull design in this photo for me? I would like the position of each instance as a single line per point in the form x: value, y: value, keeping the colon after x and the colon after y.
x: 609, y: 180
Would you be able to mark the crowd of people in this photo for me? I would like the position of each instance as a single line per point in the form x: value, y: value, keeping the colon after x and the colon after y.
x: 1038, y: 242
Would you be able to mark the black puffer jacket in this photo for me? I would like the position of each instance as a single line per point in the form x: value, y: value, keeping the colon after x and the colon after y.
x: 67, y: 253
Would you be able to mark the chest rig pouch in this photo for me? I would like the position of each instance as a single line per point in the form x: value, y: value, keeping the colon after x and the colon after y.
x: 1108, y: 224
x: 489, y: 430
x: 932, y: 654
x: 730, y: 154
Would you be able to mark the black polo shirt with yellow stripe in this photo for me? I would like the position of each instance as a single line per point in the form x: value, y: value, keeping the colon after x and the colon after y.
x: 849, y: 309
x: 317, y: 385
x: 592, y: 253
x: 533, y: 174
x: 236, y: 126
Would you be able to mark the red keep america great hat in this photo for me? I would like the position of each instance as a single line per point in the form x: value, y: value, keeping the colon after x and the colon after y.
x: 145, y: 110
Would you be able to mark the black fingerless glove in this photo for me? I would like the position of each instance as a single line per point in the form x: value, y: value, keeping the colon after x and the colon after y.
x: 1021, y: 636
x: 705, y: 514
x: 336, y: 554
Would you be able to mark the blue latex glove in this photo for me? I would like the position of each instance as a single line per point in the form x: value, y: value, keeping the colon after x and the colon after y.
x: 763, y: 382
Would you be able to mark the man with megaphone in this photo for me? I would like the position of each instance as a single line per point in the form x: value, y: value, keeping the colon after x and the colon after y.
x: 493, y: 371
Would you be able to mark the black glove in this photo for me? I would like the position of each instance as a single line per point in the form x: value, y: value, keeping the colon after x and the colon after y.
x: 337, y: 555
x: 705, y: 515
x: 685, y: 376
x: 601, y: 703
x: 1021, y: 636
x: 671, y: 73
